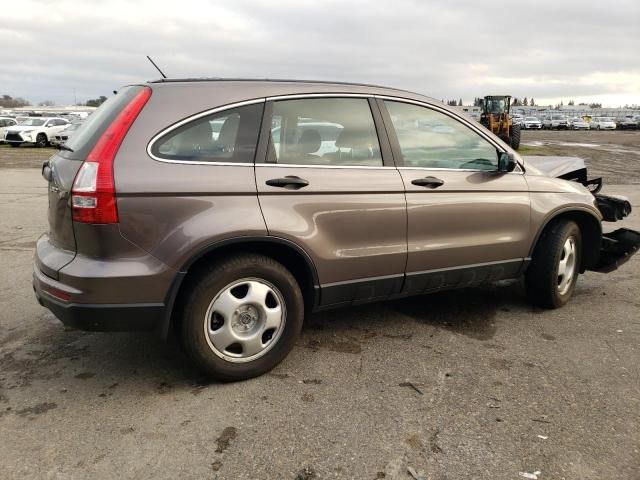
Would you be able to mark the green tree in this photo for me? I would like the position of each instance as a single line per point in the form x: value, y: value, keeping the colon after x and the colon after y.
x: 525, y: 102
x: 96, y: 102
x: 531, y: 103
x: 8, y: 101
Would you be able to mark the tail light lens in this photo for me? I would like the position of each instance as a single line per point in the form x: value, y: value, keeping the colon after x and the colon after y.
x: 93, y: 195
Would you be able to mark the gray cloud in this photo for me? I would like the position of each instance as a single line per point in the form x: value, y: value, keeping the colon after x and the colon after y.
x: 466, y: 48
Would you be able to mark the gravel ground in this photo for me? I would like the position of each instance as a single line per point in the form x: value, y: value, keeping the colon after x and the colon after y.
x: 465, y: 384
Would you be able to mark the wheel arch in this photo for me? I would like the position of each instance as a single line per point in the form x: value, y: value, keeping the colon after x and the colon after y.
x: 590, y: 229
x: 288, y: 253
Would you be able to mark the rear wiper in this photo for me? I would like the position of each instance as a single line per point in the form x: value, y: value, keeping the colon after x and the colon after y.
x: 64, y: 147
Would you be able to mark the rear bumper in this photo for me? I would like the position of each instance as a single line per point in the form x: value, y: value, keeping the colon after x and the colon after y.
x: 95, y: 317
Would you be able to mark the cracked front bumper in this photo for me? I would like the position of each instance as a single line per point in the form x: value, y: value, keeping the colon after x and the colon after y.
x: 617, y: 248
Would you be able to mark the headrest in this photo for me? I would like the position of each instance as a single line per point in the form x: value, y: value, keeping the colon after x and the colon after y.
x: 309, y: 142
x: 197, y: 136
x: 352, y: 138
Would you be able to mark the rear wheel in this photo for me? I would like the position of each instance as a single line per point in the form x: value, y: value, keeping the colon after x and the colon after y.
x: 515, y: 137
x: 41, y: 140
x: 552, y: 275
x: 241, y: 317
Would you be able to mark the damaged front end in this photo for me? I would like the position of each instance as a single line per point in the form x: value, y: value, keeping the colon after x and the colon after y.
x: 616, y: 247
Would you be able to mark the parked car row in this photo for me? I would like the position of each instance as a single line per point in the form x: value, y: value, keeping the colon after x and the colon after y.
x: 558, y: 122
x: 37, y: 131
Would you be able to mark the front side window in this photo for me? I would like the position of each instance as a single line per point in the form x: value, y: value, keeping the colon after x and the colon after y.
x: 324, y: 131
x: 430, y: 139
x: 33, y: 122
x: 228, y: 136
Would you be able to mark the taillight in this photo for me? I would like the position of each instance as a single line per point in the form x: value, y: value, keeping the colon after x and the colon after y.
x: 93, y: 195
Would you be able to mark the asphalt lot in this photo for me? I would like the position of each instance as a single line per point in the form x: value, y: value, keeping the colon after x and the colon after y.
x: 500, y: 387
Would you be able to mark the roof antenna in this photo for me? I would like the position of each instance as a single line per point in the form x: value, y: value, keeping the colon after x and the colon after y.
x: 157, y: 68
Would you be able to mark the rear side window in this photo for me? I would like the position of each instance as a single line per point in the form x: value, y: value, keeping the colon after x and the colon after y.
x: 227, y: 136
x: 324, y: 131
x: 88, y: 134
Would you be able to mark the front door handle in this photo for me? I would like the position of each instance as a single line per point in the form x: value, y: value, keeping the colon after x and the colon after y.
x: 288, y: 182
x: 429, y: 182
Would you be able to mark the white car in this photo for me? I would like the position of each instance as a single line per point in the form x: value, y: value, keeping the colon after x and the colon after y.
x: 35, y: 130
x: 4, y: 123
x: 603, y: 123
x: 63, y: 136
x: 555, y: 121
x: 531, y: 123
x: 577, y: 123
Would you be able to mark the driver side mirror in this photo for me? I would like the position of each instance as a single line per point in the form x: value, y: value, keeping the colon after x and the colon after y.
x: 506, y: 162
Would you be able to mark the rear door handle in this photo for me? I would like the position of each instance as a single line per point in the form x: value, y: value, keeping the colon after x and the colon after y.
x: 429, y: 182
x: 289, y: 182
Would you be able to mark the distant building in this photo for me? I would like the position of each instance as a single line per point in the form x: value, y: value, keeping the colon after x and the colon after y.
x: 53, y: 111
x: 568, y: 110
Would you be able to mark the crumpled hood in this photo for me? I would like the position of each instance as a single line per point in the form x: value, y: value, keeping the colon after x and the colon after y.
x: 555, y: 166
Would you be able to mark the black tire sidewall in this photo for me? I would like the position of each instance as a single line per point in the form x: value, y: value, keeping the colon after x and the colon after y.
x: 542, y: 275
x: 39, y: 140
x: 209, y: 284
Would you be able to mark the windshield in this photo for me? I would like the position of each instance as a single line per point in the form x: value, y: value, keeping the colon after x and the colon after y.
x: 495, y: 105
x: 531, y: 119
x: 32, y: 122
x: 558, y: 117
x: 606, y: 119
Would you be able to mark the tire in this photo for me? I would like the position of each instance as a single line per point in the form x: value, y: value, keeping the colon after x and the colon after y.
x: 515, y: 137
x: 546, y: 286
x: 41, y: 140
x: 232, y: 301
x: 15, y: 145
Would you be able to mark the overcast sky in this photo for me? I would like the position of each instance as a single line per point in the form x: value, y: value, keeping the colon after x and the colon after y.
x: 549, y: 50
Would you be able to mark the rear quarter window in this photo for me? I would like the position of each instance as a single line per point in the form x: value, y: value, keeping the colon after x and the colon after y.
x: 225, y: 136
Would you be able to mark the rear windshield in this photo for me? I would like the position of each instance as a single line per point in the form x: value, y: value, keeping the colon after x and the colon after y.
x: 89, y: 132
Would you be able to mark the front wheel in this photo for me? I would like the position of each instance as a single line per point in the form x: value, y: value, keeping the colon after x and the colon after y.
x: 515, y: 137
x: 241, y: 317
x: 552, y: 275
x: 41, y: 140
